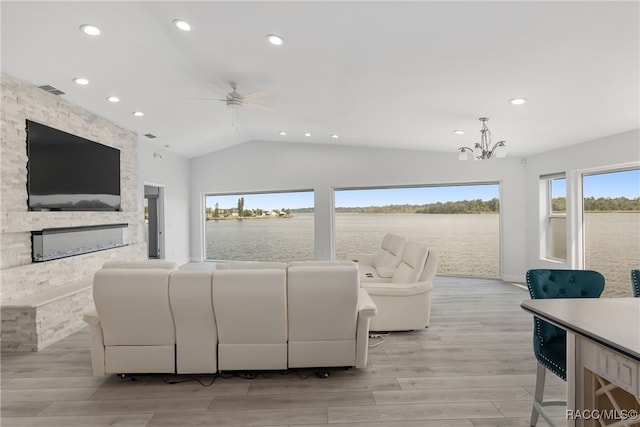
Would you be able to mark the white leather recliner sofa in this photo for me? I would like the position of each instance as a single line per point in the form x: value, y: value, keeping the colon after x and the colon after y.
x: 403, y: 299
x: 241, y: 316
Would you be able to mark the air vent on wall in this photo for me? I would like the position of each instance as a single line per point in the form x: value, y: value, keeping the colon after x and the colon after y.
x: 149, y: 135
x: 51, y: 89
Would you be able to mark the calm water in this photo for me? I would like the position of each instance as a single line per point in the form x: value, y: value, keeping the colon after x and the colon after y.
x: 612, y: 240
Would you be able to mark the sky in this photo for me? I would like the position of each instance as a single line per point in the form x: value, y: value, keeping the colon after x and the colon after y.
x: 626, y: 183
x: 616, y: 184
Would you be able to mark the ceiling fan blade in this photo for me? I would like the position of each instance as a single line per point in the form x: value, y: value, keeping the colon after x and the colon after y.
x: 208, y: 99
x: 256, y: 95
x: 218, y: 89
x: 259, y: 106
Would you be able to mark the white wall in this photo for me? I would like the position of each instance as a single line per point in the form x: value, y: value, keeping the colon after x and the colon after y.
x: 616, y: 151
x: 272, y: 166
x: 160, y: 167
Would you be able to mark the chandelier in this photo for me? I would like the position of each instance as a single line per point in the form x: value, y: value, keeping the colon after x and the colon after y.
x: 483, y: 149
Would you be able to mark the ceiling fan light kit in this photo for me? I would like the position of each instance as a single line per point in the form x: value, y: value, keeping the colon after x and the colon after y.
x: 483, y: 150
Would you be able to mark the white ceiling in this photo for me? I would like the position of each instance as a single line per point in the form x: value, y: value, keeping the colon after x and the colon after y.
x: 378, y: 74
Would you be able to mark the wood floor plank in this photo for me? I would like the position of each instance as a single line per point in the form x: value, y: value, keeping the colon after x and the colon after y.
x: 466, y: 395
x: 137, y: 406
x: 292, y: 400
x: 79, y: 421
x: 249, y: 418
x: 424, y: 411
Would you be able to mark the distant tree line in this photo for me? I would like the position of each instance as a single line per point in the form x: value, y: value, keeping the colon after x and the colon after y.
x: 591, y: 204
x: 458, y: 207
x: 241, y: 212
x: 601, y: 204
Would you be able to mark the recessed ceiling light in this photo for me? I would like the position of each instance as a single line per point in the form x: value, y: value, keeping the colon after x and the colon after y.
x: 81, y: 81
x: 458, y: 131
x: 307, y: 134
x: 518, y: 101
x: 138, y: 113
x: 334, y: 136
x: 275, y: 40
x: 113, y: 99
x: 283, y: 133
x: 91, y: 30
x: 183, y: 25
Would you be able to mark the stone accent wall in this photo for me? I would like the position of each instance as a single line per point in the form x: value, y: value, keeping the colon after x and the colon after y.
x: 20, y: 279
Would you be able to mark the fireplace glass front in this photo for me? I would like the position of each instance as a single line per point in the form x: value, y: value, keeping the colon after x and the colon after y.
x: 54, y: 243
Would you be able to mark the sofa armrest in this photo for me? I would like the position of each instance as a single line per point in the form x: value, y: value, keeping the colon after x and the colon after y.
x: 360, y: 258
x: 397, y: 289
x: 92, y: 318
x: 366, y: 307
x: 366, y: 310
x: 97, y: 344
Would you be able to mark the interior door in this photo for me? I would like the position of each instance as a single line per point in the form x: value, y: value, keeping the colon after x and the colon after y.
x: 153, y: 221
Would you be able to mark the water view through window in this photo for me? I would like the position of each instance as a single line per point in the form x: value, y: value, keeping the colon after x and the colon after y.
x: 259, y: 227
x: 460, y: 222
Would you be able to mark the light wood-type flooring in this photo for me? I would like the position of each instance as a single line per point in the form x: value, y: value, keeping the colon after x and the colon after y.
x: 473, y: 366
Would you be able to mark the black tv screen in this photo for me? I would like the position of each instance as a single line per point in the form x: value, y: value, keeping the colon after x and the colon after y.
x: 66, y: 172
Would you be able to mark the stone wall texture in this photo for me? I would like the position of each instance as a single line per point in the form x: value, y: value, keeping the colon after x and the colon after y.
x: 21, y: 279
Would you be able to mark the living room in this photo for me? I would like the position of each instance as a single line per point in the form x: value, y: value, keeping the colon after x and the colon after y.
x: 602, y: 133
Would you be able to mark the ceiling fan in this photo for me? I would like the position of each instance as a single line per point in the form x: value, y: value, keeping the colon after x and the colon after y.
x: 234, y: 99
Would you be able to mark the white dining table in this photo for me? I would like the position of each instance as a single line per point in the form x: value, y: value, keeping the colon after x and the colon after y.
x: 603, y: 357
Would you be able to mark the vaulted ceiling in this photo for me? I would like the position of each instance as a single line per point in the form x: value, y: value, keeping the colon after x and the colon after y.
x: 376, y: 74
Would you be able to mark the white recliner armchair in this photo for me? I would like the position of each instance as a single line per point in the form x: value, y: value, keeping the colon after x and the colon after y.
x: 329, y: 315
x: 404, y: 300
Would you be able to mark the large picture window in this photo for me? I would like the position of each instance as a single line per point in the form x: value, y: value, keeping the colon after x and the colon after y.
x: 461, y: 222
x: 259, y: 227
x: 612, y: 227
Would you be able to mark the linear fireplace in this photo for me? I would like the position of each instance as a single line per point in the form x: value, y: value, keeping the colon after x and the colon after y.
x: 55, y: 243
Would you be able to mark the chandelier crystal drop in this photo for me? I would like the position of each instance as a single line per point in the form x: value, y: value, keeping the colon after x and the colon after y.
x: 484, y: 150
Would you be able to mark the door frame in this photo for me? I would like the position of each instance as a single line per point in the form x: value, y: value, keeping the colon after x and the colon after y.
x: 161, y: 216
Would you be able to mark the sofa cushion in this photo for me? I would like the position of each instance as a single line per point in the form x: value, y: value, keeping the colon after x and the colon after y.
x: 250, y: 307
x: 389, y: 256
x: 323, y: 313
x: 397, y: 289
x: 413, y: 261
x: 190, y: 296
x: 133, y: 306
x: 149, y: 263
x: 249, y: 265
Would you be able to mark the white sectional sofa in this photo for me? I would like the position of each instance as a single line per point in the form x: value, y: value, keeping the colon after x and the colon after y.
x: 399, y: 279
x: 241, y: 316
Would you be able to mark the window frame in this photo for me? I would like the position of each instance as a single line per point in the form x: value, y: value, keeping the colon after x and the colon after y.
x: 549, y: 215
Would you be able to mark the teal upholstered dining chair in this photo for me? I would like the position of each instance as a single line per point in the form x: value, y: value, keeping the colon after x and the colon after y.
x: 635, y: 283
x: 550, y: 342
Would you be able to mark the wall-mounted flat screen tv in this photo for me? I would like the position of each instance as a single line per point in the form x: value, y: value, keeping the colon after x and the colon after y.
x: 69, y: 173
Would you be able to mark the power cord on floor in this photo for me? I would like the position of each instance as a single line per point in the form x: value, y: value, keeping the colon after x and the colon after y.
x: 186, y: 380
x: 380, y: 336
x: 247, y: 375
